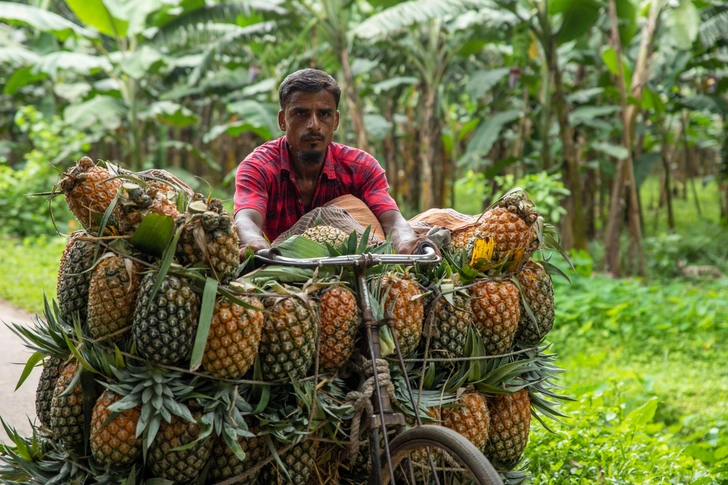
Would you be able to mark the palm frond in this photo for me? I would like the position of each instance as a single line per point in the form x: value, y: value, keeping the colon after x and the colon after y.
x: 714, y: 27
x: 223, y: 13
x: 406, y: 14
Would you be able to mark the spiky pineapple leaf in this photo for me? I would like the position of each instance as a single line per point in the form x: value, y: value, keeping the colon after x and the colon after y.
x: 153, y: 234
x: 88, y: 389
x: 203, y: 327
x: 166, y: 263
x: 302, y: 248
x: 29, y: 366
x: 364, y: 242
x: 158, y: 481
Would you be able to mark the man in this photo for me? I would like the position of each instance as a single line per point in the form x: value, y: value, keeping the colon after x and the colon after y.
x: 283, y: 179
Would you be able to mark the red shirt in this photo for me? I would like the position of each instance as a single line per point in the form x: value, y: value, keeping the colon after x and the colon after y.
x: 266, y: 182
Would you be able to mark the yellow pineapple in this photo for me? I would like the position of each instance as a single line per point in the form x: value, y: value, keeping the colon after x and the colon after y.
x: 89, y: 190
x: 510, y: 423
x: 496, y: 312
x: 114, y: 443
x: 403, y: 296
x: 339, y: 315
x: 471, y: 419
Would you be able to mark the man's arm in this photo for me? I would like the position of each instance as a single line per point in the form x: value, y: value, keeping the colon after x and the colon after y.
x: 249, y: 224
x: 404, y: 239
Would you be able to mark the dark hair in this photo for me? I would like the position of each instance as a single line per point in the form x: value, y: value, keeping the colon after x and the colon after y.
x: 310, y: 81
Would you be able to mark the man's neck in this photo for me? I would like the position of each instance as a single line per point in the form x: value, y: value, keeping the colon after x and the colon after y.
x: 305, y: 172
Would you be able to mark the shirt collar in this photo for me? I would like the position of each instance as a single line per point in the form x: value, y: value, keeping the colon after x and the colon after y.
x: 329, y: 168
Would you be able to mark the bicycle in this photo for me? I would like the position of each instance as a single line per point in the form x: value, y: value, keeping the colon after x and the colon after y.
x: 452, y: 447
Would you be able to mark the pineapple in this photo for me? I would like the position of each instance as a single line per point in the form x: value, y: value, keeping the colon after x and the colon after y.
x: 136, y: 202
x: 209, y: 235
x: 460, y: 239
x: 496, y: 312
x: 112, y: 294
x: 326, y: 235
x: 74, y: 277
x: 67, y: 418
x: 114, y: 443
x: 183, y: 465
x: 89, y: 190
x: 403, y: 296
x: 510, y: 423
x: 506, y: 235
x: 289, y: 338
x: 339, y: 315
x: 452, y: 324
x: 226, y: 465
x: 538, y: 291
x: 46, y: 385
x: 234, y: 337
x: 299, y: 461
x: 472, y: 420
x: 164, y: 328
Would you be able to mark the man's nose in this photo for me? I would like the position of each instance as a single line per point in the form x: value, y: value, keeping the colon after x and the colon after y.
x: 314, y: 123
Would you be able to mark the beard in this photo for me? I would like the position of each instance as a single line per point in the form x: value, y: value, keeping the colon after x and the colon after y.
x: 310, y: 159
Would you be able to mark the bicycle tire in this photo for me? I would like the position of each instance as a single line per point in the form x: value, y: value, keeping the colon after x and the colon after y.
x: 442, y: 438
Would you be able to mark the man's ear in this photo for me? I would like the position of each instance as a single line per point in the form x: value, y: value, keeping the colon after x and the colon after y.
x: 282, y: 120
x: 336, y: 120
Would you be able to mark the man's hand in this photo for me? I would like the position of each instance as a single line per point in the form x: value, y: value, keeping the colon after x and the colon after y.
x: 404, y: 239
x: 409, y: 246
x: 248, y: 223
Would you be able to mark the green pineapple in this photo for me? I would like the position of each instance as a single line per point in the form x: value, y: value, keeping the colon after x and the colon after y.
x: 74, y: 277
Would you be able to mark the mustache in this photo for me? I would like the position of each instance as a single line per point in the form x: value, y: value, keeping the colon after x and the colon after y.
x: 312, y: 136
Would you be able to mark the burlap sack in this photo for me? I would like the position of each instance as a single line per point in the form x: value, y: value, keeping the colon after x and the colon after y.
x: 330, y: 216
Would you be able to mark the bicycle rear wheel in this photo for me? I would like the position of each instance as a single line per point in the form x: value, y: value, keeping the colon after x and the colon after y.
x: 455, y: 460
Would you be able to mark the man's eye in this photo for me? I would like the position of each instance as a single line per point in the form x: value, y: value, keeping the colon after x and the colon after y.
x: 301, y: 114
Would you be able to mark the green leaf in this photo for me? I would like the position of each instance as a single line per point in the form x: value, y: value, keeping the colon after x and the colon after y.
x: 22, y: 77
x: 84, y: 64
x: 404, y: 14
x: 171, y: 113
x: 377, y: 126
x: 42, y: 20
x: 255, y: 113
x: 301, y: 247
x: 483, y: 81
x: 392, y: 83
x: 616, y: 151
x: 99, y: 110
x: 95, y: 14
x: 578, y: 17
x: 641, y: 416
x: 586, y: 113
x: 18, y: 55
x: 684, y: 24
x: 488, y: 132
x: 166, y: 262
x: 627, y: 15
x: 609, y: 56
x: 643, y: 166
x: 203, y: 327
x: 153, y: 234
x: 142, y: 62
x: 29, y: 366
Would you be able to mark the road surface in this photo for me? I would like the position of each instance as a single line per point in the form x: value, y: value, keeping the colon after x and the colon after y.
x: 15, y: 406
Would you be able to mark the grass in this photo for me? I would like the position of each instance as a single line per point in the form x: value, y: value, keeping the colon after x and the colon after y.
x: 29, y: 267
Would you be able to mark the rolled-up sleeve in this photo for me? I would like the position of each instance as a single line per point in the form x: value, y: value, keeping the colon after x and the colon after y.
x: 375, y: 189
x: 251, y: 187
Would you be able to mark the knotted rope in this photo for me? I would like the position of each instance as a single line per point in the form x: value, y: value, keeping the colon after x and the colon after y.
x: 362, y: 400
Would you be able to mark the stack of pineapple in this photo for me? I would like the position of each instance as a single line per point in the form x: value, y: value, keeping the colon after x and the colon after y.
x: 166, y: 358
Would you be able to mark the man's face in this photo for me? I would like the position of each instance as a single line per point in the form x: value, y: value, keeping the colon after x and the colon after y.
x: 309, y: 120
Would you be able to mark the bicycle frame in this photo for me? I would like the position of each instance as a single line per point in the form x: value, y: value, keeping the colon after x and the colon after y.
x: 384, y: 415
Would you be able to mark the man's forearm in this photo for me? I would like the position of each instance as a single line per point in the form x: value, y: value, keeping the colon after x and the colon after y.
x: 249, y: 225
x: 395, y: 224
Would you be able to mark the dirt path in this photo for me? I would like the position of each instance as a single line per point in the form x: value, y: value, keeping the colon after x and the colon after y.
x: 15, y: 406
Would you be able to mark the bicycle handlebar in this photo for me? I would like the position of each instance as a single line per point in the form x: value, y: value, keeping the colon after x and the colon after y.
x: 426, y: 256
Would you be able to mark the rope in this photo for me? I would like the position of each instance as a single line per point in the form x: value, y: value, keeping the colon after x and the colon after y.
x: 361, y: 400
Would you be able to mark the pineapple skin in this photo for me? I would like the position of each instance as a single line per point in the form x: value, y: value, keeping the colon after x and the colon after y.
x: 473, y: 420
x: 222, y: 242
x: 299, y: 461
x: 459, y: 240
x: 514, y: 239
x: 225, y: 464
x: 326, y: 235
x: 496, y: 312
x: 114, y: 444
x: 179, y: 466
x: 538, y: 290
x: 234, y: 338
x: 339, y: 315
x: 288, y: 340
x: 74, y: 278
x: 510, y: 424
x: 112, y: 295
x: 164, y: 328
x: 88, y: 190
x: 44, y: 391
x: 408, y: 313
x: 452, y: 323
x: 67, y: 417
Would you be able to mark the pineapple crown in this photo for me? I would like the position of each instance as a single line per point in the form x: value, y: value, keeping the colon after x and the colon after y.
x: 159, y: 392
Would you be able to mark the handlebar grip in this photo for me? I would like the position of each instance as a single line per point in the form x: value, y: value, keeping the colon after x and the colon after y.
x: 268, y: 254
x: 426, y: 248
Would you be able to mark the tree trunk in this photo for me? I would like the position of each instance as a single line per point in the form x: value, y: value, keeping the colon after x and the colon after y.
x: 427, y: 145
x: 635, y: 225
x: 574, y: 220
x: 390, y: 150
x: 352, y: 100
x: 666, y: 169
